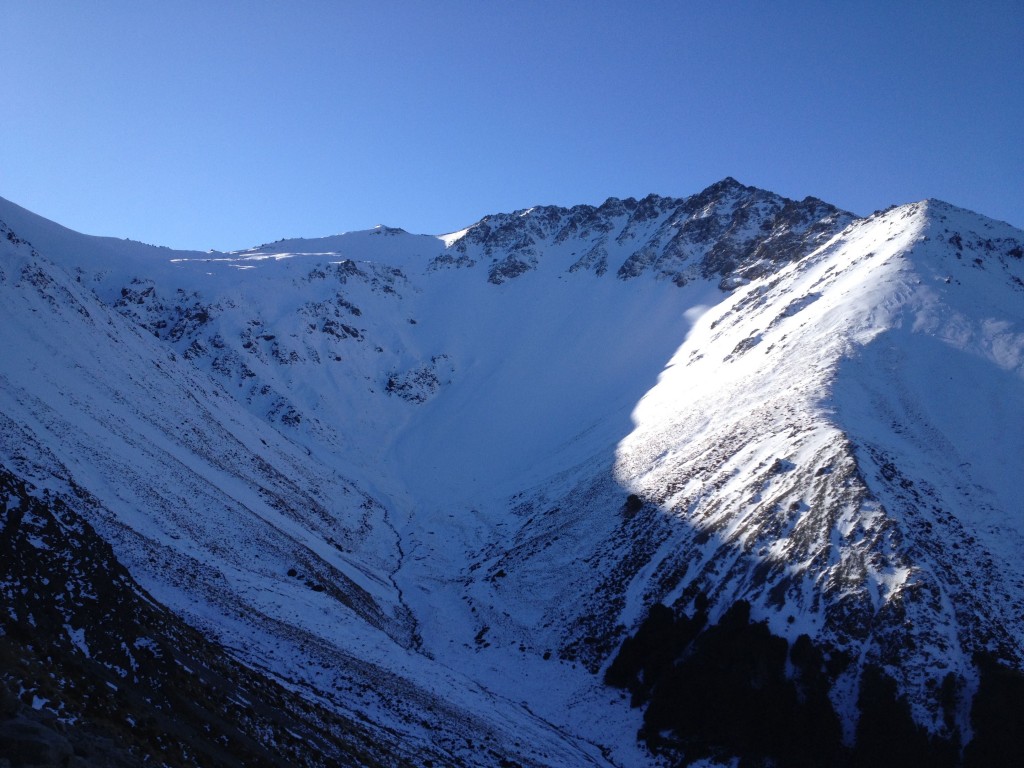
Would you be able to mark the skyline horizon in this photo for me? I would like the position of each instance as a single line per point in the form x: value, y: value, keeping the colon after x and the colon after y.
x: 206, y: 126
x: 441, y: 234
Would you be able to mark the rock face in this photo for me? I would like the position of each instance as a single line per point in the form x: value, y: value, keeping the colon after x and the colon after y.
x: 427, y: 487
x: 728, y: 231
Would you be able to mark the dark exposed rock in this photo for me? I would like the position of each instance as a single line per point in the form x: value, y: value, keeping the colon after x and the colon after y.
x: 108, y: 677
x: 733, y: 689
x: 25, y: 742
x: 727, y: 230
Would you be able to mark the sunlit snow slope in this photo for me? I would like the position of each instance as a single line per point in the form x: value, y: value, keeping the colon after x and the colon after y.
x: 393, y: 469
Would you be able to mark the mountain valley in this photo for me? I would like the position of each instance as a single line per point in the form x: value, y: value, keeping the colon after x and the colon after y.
x: 399, y: 499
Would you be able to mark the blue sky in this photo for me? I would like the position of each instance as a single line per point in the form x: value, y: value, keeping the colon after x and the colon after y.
x: 228, y: 124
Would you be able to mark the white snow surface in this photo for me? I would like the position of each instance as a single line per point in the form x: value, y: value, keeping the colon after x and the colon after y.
x: 443, y: 459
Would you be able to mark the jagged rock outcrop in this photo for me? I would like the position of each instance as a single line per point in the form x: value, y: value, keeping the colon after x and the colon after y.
x: 729, y: 231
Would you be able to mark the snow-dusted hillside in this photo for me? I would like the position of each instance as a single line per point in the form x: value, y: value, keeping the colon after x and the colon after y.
x: 845, y: 459
x: 436, y: 481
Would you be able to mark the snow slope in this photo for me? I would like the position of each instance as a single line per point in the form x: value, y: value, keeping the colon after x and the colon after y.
x: 229, y: 523
x: 438, y: 436
x: 845, y: 448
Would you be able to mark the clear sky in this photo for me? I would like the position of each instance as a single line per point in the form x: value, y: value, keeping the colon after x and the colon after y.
x: 219, y: 124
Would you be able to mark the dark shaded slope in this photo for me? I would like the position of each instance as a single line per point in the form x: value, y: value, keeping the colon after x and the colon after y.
x: 89, y: 664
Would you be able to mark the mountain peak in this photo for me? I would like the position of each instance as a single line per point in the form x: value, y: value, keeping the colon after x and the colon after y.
x: 383, y: 229
x: 435, y: 483
x: 728, y: 183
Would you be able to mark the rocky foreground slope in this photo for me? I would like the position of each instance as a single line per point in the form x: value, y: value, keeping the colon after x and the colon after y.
x: 430, y: 485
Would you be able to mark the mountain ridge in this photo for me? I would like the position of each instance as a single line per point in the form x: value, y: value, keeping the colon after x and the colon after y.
x: 587, y: 444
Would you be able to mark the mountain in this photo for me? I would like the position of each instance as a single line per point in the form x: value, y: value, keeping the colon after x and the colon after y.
x: 438, y: 490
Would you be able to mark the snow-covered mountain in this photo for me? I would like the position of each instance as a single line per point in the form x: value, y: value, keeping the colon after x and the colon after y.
x: 431, y: 484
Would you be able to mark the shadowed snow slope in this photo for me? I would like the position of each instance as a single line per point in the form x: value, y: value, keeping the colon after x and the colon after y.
x: 392, y: 470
